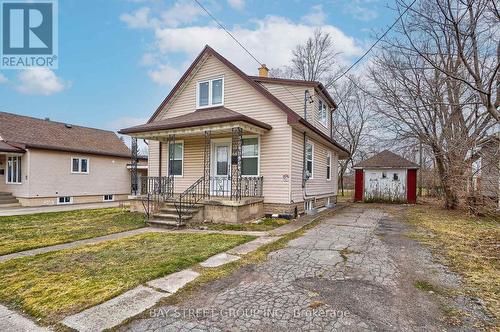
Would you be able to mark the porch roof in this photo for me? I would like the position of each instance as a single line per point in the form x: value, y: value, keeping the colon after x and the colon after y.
x: 201, y: 119
x: 4, y: 147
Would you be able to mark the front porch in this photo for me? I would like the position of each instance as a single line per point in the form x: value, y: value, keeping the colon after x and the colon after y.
x: 201, y: 171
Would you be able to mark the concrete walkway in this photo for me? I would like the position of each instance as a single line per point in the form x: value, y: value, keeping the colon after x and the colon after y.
x: 355, y: 271
x: 17, y: 211
x: 12, y: 321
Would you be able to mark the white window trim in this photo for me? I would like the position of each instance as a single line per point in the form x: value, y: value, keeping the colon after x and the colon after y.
x: 329, y: 166
x: 80, y: 165
x: 312, y: 159
x: 258, y: 155
x: 168, y: 159
x: 108, y: 200
x: 321, y: 120
x: 210, y: 80
x: 7, y: 169
x: 70, y: 200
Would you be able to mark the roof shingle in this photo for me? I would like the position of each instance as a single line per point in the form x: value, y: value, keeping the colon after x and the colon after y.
x: 386, y: 159
x: 201, y: 117
x: 27, y: 132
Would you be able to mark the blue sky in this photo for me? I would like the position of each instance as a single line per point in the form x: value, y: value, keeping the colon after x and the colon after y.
x: 118, y: 59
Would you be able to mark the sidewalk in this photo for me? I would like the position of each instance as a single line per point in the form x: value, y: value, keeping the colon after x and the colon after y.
x: 17, y: 211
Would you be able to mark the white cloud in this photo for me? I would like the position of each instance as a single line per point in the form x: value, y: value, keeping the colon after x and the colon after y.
x: 138, y: 19
x: 360, y: 13
x: 165, y: 75
x: 236, y: 4
x: 271, y: 41
x: 40, y: 81
x: 180, y: 13
x: 315, y: 17
x: 3, y: 79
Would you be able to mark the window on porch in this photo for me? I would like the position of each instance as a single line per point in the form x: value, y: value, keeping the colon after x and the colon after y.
x: 250, y: 157
x: 177, y: 151
x: 14, y: 169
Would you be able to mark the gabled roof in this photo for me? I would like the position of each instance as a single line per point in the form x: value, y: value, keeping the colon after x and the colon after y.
x: 286, y: 81
x: 201, y: 117
x: 25, y: 132
x: 292, y: 117
x: 386, y: 159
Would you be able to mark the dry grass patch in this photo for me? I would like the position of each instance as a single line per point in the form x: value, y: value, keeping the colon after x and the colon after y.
x: 469, y: 246
x: 18, y: 233
x: 53, y: 285
x: 266, y: 224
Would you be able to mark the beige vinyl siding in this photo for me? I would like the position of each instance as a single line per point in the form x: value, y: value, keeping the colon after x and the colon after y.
x: 153, y: 158
x: 291, y: 95
x: 318, y: 185
x: 239, y: 96
x: 50, y: 175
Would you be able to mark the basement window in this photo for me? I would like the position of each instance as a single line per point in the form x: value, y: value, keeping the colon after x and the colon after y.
x: 108, y: 198
x: 64, y: 200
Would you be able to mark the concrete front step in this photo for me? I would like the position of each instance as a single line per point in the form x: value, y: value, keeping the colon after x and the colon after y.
x: 165, y: 223
x: 10, y: 205
x: 173, y: 210
x: 171, y: 216
x: 7, y: 199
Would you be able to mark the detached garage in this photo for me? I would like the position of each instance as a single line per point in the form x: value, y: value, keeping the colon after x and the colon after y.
x: 386, y: 177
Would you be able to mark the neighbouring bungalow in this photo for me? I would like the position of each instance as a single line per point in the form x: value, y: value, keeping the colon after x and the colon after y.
x: 44, y: 162
x: 386, y: 177
x: 228, y: 147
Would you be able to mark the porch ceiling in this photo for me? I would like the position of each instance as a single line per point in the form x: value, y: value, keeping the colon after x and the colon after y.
x: 217, y: 120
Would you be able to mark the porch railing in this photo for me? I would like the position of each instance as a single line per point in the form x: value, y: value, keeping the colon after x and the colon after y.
x: 155, y: 190
x: 189, y: 198
x: 251, y: 186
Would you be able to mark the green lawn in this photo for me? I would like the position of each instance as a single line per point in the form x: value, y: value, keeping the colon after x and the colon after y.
x: 53, y: 285
x: 266, y: 224
x: 18, y: 233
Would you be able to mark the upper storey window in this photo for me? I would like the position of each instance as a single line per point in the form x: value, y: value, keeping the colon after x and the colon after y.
x: 322, y: 113
x: 210, y: 93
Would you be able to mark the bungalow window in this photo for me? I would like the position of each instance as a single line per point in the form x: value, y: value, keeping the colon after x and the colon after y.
x: 322, y: 114
x: 64, y: 200
x: 250, y: 157
x: 14, y: 169
x: 328, y: 166
x: 309, y: 159
x: 176, y: 150
x: 210, y: 93
x: 80, y: 165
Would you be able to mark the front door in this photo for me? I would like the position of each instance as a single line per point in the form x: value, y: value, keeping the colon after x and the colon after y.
x: 220, y: 184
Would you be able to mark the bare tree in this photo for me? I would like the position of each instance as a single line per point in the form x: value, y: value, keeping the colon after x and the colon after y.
x: 470, y: 30
x: 422, y: 103
x: 315, y: 60
x: 351, y: 124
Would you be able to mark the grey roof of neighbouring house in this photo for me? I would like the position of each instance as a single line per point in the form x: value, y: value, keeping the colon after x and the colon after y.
x: 23, y: 132
x: 386, y: 159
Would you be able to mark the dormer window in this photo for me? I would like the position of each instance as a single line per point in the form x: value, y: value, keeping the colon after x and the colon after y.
x: 322, y: 113
x: 210, y: 93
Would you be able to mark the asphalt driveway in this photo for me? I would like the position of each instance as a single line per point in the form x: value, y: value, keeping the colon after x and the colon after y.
x: 357, y: 270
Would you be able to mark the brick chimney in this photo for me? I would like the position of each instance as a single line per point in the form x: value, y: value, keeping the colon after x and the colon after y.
x: 263, y: 71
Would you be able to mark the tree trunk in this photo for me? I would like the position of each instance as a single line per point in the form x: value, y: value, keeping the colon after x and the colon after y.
x: 450, y: 194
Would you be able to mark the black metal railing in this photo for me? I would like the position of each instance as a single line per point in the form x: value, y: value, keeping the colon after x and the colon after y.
x: 251, y: 186
x: 155, y: 190
x: 189, y: 198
